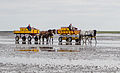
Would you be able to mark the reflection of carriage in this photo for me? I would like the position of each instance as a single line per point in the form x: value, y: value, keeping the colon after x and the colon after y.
x: 68, y: 35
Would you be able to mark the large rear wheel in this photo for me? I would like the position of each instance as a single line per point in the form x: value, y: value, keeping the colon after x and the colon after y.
x: 69, y: 39
x: 29, y: 38
x: 17, y: 38
x: 36, y: 38
x: 60, y: 39
x: 24, y: 38
x: 76, y: 40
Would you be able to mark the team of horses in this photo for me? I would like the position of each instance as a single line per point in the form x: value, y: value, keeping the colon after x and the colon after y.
x: 84, y: 36
x: 48, y: 35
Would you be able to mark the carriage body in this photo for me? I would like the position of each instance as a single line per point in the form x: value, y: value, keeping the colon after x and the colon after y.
x: 24, y: 30
x: 67, y: 34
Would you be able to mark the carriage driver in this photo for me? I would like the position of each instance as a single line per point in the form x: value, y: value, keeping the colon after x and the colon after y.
x: 70, y: 26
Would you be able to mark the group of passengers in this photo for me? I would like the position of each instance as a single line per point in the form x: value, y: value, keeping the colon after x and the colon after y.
x: 70, y: 27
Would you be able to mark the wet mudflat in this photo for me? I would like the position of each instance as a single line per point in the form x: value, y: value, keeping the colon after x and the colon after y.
x: 103, y: 57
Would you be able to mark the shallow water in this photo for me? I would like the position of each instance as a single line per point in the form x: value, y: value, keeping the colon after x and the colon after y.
x: 111, y: 40
x: 100, y: 57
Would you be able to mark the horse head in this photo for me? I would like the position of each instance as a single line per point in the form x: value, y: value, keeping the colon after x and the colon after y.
x: 95, y: 31
x: 53, y: 31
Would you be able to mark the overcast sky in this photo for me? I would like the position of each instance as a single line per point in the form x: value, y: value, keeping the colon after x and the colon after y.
x: 49, y: 14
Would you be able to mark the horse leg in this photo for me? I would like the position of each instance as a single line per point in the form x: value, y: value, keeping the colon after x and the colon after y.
x: 86, y: 40
x: 90, y: 39
x: 39, y: 39
x: 52, y: 40
x: 47, y: 40
x: 80, y: 37
x: 42, y: 40
x: 83, y: 39
x: 95, y: 39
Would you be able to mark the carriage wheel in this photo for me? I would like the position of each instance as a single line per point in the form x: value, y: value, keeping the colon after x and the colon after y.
x: 24, y: 38
x: 69, y: 39
x: 17, y: 38
x: 76, y: 40
x: 36, y: 38
x: 60, y: 39
x: 29, y: 38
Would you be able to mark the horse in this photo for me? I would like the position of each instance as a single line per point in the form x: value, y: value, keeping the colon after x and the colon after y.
x: 51, y: 33
x: 48, y: 35
x: 87, y: 35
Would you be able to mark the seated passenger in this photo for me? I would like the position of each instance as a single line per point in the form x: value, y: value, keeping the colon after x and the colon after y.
x: 29, y: 27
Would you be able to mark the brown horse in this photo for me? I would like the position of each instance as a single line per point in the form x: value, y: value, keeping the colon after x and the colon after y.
x: 48, y: 35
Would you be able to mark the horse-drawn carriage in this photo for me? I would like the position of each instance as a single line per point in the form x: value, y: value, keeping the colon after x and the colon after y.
x: 72, y: 33
x: 24, y: 33
x: 29, y: 33
x: 65, y: 33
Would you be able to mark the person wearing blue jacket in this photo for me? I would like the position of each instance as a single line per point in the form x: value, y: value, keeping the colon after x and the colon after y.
x: 29, y: 27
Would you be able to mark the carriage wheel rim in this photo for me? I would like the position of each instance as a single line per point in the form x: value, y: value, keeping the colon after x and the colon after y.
x: 60, y: 39
x: 70, y: 39
x: 24, y: 38
x: 36, y: 38
x: 17, y: 38
x: 29, y: 38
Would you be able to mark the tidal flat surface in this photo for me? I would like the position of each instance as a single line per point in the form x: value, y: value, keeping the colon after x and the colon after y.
x: 100, y: 57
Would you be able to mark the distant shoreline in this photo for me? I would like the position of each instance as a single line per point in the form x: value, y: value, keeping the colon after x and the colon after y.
x: 114, y: 32
x: 99, y: 32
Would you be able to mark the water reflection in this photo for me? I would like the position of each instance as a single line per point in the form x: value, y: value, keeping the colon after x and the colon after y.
x: 68, y: 43
x: 36, y: 42
x: 29, y: 42
x: 34, y: 50
x: 23, y: 42
x: 16, y: 42
x: 47, y: 49
x: 77, y: 43
x: 58, y: 43
x: 61, y: 47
